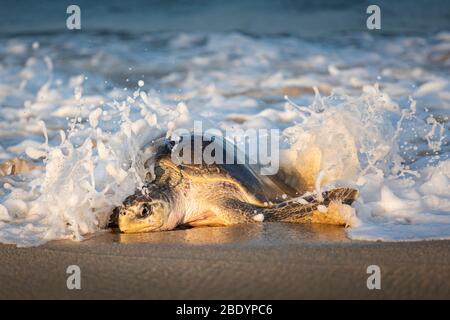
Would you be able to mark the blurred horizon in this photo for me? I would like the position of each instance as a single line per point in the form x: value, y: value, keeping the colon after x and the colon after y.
x: 274, y: 17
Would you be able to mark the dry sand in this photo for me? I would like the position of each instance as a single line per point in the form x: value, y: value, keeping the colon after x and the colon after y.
x: 265, y: 261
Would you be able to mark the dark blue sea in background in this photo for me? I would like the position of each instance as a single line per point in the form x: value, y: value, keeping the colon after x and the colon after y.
x: 258, y: 17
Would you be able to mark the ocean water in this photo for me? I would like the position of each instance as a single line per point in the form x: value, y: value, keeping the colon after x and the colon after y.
x: 363, y: 109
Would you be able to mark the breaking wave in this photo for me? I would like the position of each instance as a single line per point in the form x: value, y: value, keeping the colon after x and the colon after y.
x: 78, y: 110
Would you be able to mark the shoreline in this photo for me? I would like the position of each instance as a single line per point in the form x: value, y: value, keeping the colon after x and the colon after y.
x: 267, y: 261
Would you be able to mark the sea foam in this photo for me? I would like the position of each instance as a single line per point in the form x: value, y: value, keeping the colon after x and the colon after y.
x: 371, y: 117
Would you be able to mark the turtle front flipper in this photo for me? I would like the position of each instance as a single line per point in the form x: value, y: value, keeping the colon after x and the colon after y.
x: 331, y: 208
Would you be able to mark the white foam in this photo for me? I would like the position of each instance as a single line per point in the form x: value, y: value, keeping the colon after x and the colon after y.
x: 339, y: 127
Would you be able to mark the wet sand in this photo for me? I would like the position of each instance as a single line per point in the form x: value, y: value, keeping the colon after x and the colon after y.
x: 266, y: 261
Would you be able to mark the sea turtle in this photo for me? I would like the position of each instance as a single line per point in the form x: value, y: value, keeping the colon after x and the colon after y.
x: 221, y: 195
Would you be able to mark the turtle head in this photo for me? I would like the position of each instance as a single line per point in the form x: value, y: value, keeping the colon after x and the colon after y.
x: 144, y: 212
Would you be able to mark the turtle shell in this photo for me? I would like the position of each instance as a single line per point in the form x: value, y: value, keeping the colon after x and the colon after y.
x: 266, y: 188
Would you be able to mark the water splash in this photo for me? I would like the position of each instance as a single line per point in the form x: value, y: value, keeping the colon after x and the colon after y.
x: 85, y: 132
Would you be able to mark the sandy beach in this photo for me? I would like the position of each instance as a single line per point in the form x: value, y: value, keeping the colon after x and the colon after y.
x: 267, y: 261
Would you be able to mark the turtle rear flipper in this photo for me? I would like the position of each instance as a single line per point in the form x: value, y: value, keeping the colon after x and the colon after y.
x: 332, y: 208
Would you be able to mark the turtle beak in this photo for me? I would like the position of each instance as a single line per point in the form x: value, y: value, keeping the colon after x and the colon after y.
x: 131, y: 225
x: 132, y: 219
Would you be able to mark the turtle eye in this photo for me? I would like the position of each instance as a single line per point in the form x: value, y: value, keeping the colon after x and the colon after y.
x: 146, y: 210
